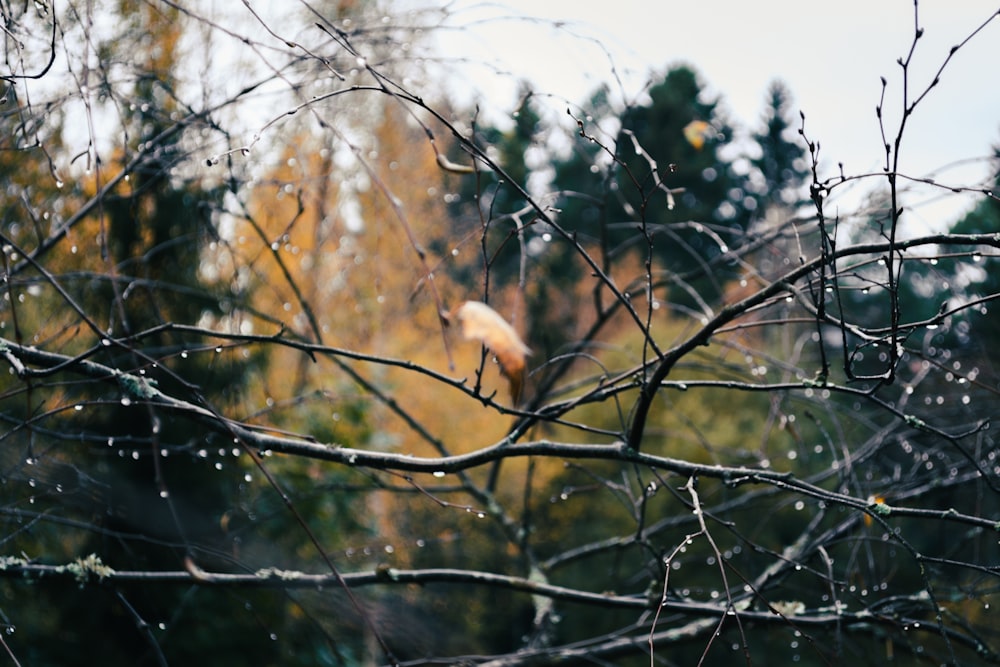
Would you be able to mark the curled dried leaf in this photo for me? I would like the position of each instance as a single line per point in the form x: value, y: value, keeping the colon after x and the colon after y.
x: 482, y: 323
x: 452, y: 167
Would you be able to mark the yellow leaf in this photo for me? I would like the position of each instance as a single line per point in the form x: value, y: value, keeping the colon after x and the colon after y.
x: 482, y: 323
x: 872, y: 502
x: 696, y: 132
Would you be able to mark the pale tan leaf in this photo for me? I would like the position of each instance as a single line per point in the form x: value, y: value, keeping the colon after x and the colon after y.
x: 482, y: 323
x: 454, y: 168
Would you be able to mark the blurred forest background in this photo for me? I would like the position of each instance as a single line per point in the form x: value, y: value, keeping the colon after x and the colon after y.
x: 241, y: 422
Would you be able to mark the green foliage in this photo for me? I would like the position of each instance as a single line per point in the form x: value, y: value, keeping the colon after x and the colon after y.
x: 981, y: 276
x: 494, y: 204
x: 781, y: 163
x: 663, y: 195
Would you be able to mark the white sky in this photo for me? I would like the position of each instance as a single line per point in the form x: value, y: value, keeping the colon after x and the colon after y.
x: 830, y: 55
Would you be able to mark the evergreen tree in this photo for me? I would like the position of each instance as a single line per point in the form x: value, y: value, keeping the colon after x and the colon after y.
x: 984, y: 280
x: 493, y: 201
x: 515, y: 242
x: 985, y: 217
x: 681, y: 196
x: 781, y: 163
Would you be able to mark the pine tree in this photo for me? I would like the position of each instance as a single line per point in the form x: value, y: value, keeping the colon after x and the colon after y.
x: 667, y: 195
x: 490, y: 201
x: 781, y: 164
x: 983, y: 280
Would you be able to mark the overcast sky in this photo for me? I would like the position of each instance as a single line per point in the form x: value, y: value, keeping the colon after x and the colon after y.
x: 831, y: 56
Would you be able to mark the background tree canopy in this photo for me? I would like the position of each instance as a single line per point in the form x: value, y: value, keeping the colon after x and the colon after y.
x: 242, y: 420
